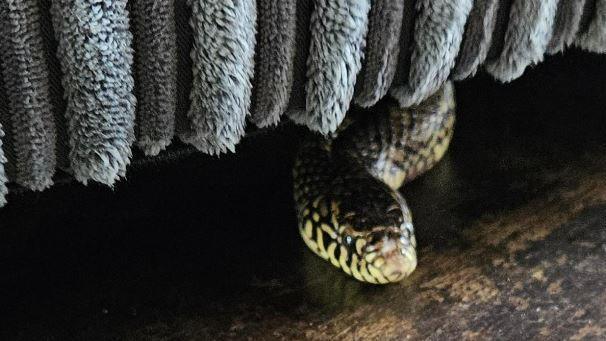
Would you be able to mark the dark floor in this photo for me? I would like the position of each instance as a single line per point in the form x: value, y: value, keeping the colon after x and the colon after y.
x: 511, y: 227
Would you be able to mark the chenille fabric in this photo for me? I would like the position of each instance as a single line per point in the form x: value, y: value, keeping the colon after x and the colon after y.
x: 85, y: 83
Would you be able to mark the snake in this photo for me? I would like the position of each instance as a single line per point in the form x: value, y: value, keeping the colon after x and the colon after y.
x: 346, y: 185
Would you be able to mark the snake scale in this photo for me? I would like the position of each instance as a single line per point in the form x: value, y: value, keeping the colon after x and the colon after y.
x: 348, y: 205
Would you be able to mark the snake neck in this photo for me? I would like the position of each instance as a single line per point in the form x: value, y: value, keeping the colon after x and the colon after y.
x: 400, y: 144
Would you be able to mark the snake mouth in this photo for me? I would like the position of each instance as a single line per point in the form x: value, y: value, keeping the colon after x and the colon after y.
x: 392, y: 254
x: 399, y: 265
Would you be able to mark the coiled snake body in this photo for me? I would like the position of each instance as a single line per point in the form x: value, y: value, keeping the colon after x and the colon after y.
x: 346, y: 188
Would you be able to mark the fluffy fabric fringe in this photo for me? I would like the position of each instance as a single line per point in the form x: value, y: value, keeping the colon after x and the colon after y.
x: 528, y: 33
x: 3, y: 178
x: 156, y: 49
x: 274, y: 60
x: 439, y: 30
x: 96, y: 58
x: 338, y: 29
x: 566, y: 25
x: 382, y: 49
x: 223, y: 65
x: 594, y: 38
x: 296, y: 102
x: 406, y: 44
x: 27, y: 87
x: 477, y: 39
x: 309, y: 54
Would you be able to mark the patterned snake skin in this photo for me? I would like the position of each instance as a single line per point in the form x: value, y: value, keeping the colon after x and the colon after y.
x: 346, y: 188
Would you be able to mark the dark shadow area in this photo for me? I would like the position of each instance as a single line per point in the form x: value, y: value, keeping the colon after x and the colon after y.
x: 511, y: 221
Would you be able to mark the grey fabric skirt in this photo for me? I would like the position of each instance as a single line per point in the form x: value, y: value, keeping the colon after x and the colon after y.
x: 85, y: 81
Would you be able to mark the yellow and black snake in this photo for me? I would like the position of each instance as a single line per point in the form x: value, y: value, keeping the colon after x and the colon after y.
x: 346, y: 187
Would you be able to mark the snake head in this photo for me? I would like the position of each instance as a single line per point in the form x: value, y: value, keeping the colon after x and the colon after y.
x: 391, y: 250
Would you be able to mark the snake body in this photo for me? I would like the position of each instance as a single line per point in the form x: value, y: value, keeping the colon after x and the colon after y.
x: 348, y: 205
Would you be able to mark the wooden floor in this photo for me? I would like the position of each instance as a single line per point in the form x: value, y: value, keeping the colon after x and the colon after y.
x: 511, y: 228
